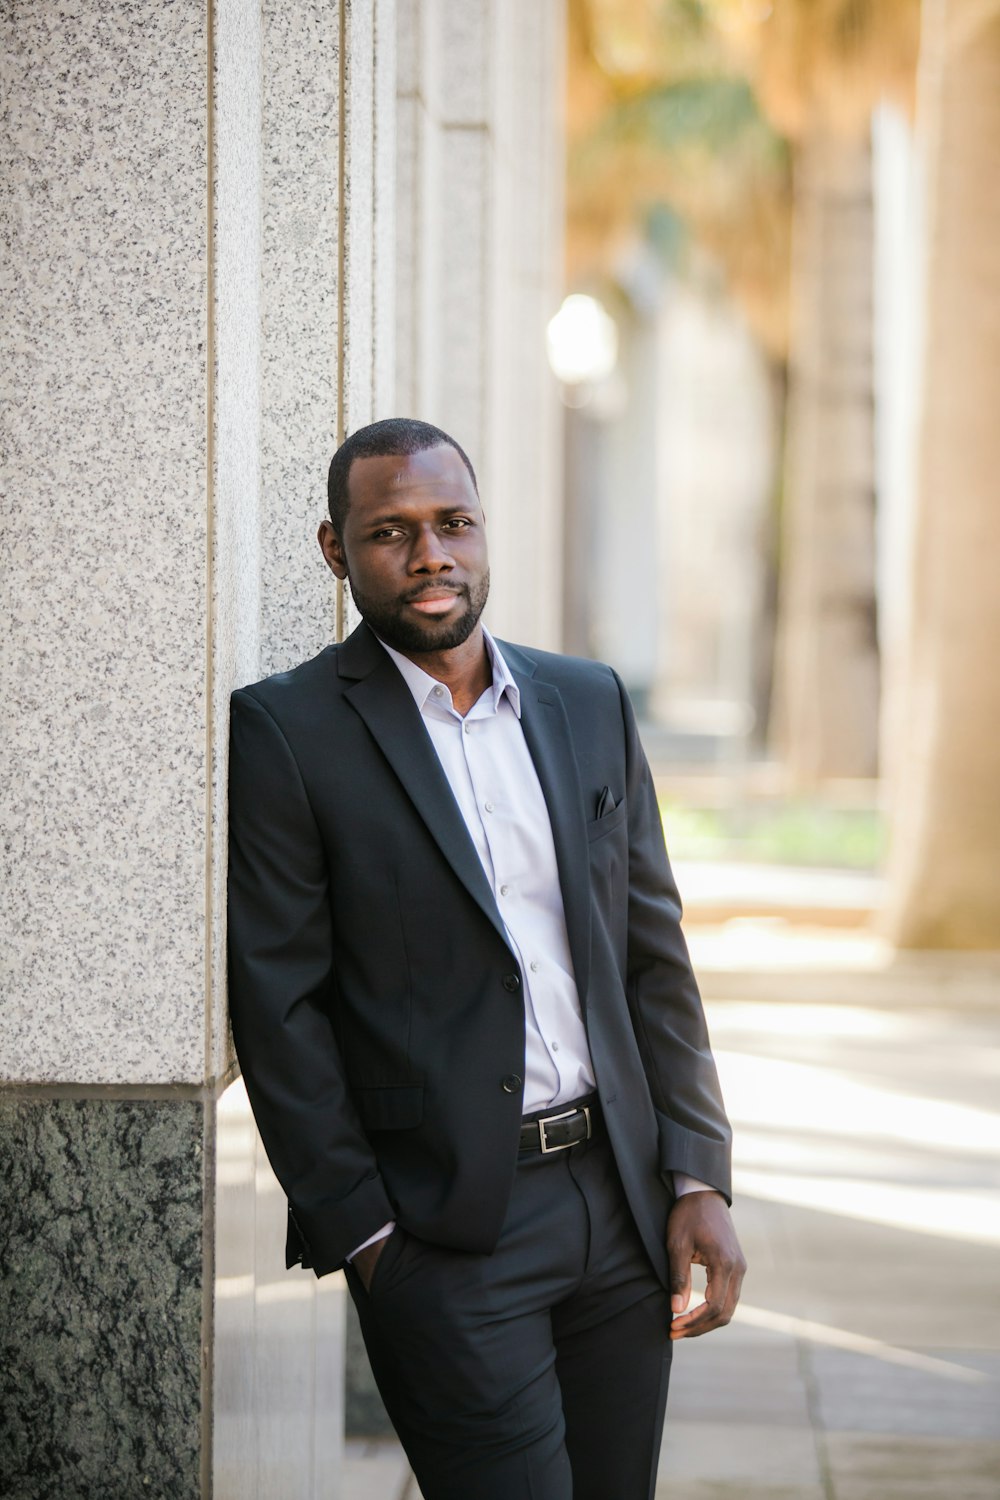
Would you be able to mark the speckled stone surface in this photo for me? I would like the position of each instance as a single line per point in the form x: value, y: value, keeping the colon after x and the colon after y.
x: 173, y: 203
x: 158, y: 539
x: 100, y: 1298
x: 383, y: 357
x: 358, y: 330
x: 103, y: 268
x: 236, y: 581
x: 369, y: 212
x: 300, y: 291
x: 465, y: 94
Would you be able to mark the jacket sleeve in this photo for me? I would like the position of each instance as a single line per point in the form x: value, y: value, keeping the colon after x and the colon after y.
x: 282, y: 993
x: 665, y: 1005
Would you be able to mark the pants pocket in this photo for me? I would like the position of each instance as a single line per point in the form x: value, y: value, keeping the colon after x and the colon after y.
x: 387, y: 1261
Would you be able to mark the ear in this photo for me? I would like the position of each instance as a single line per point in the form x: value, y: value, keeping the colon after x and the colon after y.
x: 332, y: 550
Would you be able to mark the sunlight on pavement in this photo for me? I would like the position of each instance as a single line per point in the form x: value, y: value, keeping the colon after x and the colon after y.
x: 842, y: 1338
x: 771, y: 943
x: 946, y: 1212
x: 856, y: 1343
x: 784, y: 1020
x: 772, y: 1091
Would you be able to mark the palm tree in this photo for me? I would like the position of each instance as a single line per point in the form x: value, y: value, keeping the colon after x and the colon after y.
x: 826, y: 691
x: 818, y: 68
x: 661, y: 115
x: 668, y: 144
x: 944, y: 867
x: 693, y: 103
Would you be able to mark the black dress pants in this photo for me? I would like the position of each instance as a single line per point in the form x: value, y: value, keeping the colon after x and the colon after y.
x: 538, y: 1372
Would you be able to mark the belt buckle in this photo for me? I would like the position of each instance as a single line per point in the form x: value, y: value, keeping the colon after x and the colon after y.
x: 553, y: 1119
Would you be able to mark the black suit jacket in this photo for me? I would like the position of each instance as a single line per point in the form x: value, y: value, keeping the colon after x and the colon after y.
x: 377, y: 1009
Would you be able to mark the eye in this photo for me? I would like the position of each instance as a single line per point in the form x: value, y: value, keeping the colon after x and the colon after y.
x: 458, y: 523
x: 385, y: 532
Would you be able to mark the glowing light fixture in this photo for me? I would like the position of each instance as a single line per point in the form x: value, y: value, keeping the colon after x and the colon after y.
x: 582, y: 341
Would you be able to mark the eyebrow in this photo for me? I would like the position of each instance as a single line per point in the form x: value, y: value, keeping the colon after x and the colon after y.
x: 401, y: 518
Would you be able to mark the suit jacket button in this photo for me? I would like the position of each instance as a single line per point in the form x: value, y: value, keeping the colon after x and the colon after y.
x: 511, y: 982
x: 511, y: 1084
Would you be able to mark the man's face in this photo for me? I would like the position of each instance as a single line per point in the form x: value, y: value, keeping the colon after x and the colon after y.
x: 413, y: 549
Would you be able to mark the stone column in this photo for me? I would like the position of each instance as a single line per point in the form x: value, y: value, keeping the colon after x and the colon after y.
x: 827, y: 671
x: 943, y: 871
x: 479, y: 214
x: 196, y: 204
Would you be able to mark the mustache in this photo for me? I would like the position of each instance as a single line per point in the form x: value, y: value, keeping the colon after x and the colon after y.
x: 434, y: 588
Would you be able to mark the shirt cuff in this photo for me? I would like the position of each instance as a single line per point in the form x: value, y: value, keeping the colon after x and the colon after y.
x: 373, y: 1239
x: 685, y: 1184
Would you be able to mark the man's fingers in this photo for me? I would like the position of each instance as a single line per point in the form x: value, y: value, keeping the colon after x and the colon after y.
x: 703, y: 1231
x: 679, y: 1254
x: 721, y: 1297
x: 733, y: 1288
x: 366, y: 1260
x: 680, y: 1294
x: 722, y: 1287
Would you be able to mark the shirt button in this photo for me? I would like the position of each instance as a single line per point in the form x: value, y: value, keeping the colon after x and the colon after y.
x: 467, y: 728
x: 511, y: 1084
x: 511, y: 983
x: 488, y: 806
x: 535, y: 966
x: 504, y: 889
x: 555, y: 1046
x: 439, y: 692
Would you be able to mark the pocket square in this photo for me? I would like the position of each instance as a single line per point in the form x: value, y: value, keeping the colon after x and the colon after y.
x: 605, y: 803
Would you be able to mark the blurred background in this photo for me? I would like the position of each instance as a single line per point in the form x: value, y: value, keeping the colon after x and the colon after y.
x: 778, y: 358
x: 776, y: 513
x: 710, y: 292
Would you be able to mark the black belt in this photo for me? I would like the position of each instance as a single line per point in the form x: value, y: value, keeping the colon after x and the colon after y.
x: 562, y: 1129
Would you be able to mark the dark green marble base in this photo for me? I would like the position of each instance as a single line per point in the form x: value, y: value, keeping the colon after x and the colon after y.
x: 101, y: 1254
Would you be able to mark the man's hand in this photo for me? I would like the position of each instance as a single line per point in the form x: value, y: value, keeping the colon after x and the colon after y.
x: 700, y: 1231
x: 366, y: 1260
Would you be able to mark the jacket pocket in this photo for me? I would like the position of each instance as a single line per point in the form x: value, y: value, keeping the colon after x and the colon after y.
x: 598, y: 827
x: 390, y: 1108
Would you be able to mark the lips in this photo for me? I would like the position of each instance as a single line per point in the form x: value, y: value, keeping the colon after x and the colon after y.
x: 434, y: 601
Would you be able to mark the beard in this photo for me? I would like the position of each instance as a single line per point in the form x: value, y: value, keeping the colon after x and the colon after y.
x: 388, y: 618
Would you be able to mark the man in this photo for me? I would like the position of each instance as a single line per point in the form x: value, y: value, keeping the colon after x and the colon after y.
x: 464, y: 1008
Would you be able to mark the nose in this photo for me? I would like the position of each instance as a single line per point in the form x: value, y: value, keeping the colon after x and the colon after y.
x: 429, y: 553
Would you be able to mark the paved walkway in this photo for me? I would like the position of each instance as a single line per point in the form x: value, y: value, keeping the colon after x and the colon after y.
x: 865, y: 1361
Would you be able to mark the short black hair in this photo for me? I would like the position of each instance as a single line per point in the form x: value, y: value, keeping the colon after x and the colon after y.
x: 394, y: 436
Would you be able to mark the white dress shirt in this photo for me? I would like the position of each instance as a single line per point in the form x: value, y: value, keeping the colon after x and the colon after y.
x: 485, y: 757
x: 494, y: 782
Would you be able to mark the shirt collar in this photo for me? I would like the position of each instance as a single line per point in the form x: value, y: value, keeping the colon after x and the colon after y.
x: 421, y: 684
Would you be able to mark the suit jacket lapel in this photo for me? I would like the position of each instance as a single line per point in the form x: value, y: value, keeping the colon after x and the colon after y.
x: 386, y: 705
x: 547, y: 732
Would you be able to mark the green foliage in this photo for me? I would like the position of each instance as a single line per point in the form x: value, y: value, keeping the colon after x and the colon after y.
x: 791, y: 833
x: 714, y: 114
x: 714, y: 119
x: 667, y: 233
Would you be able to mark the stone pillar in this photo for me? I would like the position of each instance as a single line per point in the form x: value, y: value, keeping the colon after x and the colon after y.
x: 827, y: 671
x: 943, y: 872
x: 196, y: 205
x: 479, y: 214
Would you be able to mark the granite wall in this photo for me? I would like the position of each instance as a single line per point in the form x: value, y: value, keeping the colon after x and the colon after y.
x: 187, y: 334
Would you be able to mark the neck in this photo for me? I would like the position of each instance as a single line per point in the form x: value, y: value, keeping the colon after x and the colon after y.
x: 465, y: 670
